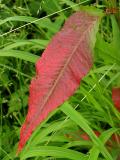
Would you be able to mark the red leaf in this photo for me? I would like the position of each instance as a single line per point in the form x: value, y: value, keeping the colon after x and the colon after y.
x: 77, y: 135
x: 66, y: 60
x: 116, y: 97
x: 84, y: 136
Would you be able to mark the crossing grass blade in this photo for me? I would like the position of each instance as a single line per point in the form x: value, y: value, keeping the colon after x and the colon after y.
x: 83, y: 123
x: 104, y: 137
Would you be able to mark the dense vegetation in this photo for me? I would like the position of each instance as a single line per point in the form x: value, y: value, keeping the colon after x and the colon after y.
x: 91, y: 108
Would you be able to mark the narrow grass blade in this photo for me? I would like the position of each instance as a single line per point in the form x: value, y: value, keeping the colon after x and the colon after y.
x: 19, y: 54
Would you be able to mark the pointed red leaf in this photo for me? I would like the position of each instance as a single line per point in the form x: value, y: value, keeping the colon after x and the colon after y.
x: 116, y: 97
x: 66, y: 60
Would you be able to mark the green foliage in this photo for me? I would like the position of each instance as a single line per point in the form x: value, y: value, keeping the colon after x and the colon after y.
x: 108, y: 48
x: 90, y: 109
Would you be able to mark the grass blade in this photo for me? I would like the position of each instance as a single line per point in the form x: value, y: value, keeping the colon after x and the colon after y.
x: 19, y: 54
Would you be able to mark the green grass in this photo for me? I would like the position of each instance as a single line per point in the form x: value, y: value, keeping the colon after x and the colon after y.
x: 26, y: 27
